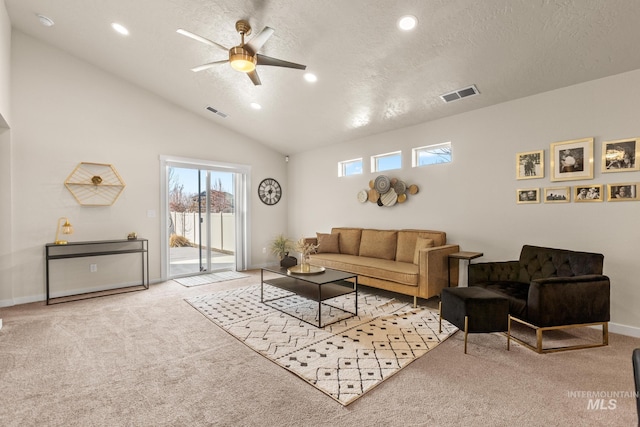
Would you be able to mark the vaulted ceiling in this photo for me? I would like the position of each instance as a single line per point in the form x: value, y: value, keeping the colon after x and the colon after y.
x: 372, y: 77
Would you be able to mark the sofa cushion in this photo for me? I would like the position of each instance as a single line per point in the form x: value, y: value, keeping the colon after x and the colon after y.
x: 349, y: 239
x: 421, y: 243
x: 406, y: 245
x: 378, y: 244
x: 328, y: 243
x: 399, y: 272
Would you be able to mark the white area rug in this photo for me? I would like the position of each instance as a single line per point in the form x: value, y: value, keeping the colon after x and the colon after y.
x: 204, y: 279
x: 345, y: 359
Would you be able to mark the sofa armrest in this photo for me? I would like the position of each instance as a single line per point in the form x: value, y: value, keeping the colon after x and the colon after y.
x: 556, y: 301
x: 434, y: 270
x: 483, y: 272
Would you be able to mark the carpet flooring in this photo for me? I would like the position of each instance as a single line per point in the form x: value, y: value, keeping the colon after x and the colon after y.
x: 205, y: 279
x: 345, y: 359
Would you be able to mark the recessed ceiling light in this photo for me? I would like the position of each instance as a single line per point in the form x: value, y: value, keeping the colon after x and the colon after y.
x: 256, y: 106
x: 407, y: 22
x: 120, y: 29
x: 310, y: 77
x: 44, y: 20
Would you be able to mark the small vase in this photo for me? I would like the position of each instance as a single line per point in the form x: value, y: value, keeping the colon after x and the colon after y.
x: 304, y: 263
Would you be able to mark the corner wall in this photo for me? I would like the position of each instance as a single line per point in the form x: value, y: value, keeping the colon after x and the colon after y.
x: 473, y: 198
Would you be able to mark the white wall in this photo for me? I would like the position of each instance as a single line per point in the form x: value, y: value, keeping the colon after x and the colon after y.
x: 473, y: 198
x: 66, y: 111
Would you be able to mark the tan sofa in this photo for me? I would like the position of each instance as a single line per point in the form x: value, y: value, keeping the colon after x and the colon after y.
x: 409, y: 262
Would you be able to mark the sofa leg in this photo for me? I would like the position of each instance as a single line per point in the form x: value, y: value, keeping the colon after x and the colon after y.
x: 440, y: 317
x: 415, y: 302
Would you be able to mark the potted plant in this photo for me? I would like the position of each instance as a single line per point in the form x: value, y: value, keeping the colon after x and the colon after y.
x: 280, y: 247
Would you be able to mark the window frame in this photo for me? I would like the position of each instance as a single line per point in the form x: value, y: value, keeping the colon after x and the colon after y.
x: 415, y: 154
x: 375, y: 161
x: 342, y: 167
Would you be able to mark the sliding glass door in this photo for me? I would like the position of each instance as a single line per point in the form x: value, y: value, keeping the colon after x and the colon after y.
x: 202, y: 218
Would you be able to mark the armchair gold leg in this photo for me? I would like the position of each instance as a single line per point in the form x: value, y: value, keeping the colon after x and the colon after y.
x: 415, y: 302
x: 466, y: 331
x: 538, y: 348
x: 509, y: 334
x: 440, y: 317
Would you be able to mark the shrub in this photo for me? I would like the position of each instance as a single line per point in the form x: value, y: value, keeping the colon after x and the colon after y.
x: 176, y: 241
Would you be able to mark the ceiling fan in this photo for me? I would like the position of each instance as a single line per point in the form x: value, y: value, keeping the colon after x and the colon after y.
x: 244, y: 57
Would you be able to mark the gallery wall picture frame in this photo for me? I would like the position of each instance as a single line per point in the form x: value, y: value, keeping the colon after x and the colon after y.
x: 623, y: 192
x: 588, y: 193
x: 572, y: 160
x: 557, y: 195
x: 620, y: 155
x: 527, y: 195
x: 530, y: 165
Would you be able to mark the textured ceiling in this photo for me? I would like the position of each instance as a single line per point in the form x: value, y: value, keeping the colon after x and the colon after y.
x: 372, y: 77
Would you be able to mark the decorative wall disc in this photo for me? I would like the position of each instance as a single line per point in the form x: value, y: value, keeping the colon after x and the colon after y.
x: 389, y: 198
x: 400, y: 187
x: 95, y: 184
x: 374, y: 195
x: 385, y: 191
x: 382, y: 184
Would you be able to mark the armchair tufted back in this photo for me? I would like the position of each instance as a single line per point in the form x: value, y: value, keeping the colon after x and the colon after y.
x: 537, y: 262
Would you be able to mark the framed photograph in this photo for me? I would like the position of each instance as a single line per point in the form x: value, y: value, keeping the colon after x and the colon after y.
x: 588, y: 193
x: 571, y: 160
x: 620, y: 155
x: 528, y: 195
x: 530, y: 165
x: 557, y: 195
x: 623, y: 192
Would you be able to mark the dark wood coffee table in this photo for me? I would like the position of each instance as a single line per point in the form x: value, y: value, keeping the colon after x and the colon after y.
x: 318, y: 287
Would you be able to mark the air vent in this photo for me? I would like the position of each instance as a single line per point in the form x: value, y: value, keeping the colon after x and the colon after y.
x: 218, y: 112
x: 460, y: 93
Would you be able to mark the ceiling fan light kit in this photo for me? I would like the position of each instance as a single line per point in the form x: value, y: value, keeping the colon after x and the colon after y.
x: 241, y: 60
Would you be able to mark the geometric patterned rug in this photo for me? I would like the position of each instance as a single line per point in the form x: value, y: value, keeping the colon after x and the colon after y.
x: 204, y: 279
x: 345, y: 359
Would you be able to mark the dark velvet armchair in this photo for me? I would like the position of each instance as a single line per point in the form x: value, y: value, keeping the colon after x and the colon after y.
x: 550, y: 289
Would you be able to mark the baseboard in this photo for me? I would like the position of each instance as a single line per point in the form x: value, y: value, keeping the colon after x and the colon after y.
x: 42, y: 297
x: 630, y: 331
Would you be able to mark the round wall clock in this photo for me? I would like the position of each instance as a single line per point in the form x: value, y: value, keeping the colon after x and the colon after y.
x: 269, y: 191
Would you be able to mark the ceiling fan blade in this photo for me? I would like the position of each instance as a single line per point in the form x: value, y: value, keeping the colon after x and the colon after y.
x: 267, y: 60
x: 208, y: 65
x: 258, y: 41
x: 200, y: 39
x: 253, y: 75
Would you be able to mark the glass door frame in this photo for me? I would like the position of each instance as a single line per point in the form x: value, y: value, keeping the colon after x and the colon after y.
x: 241, y: 181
